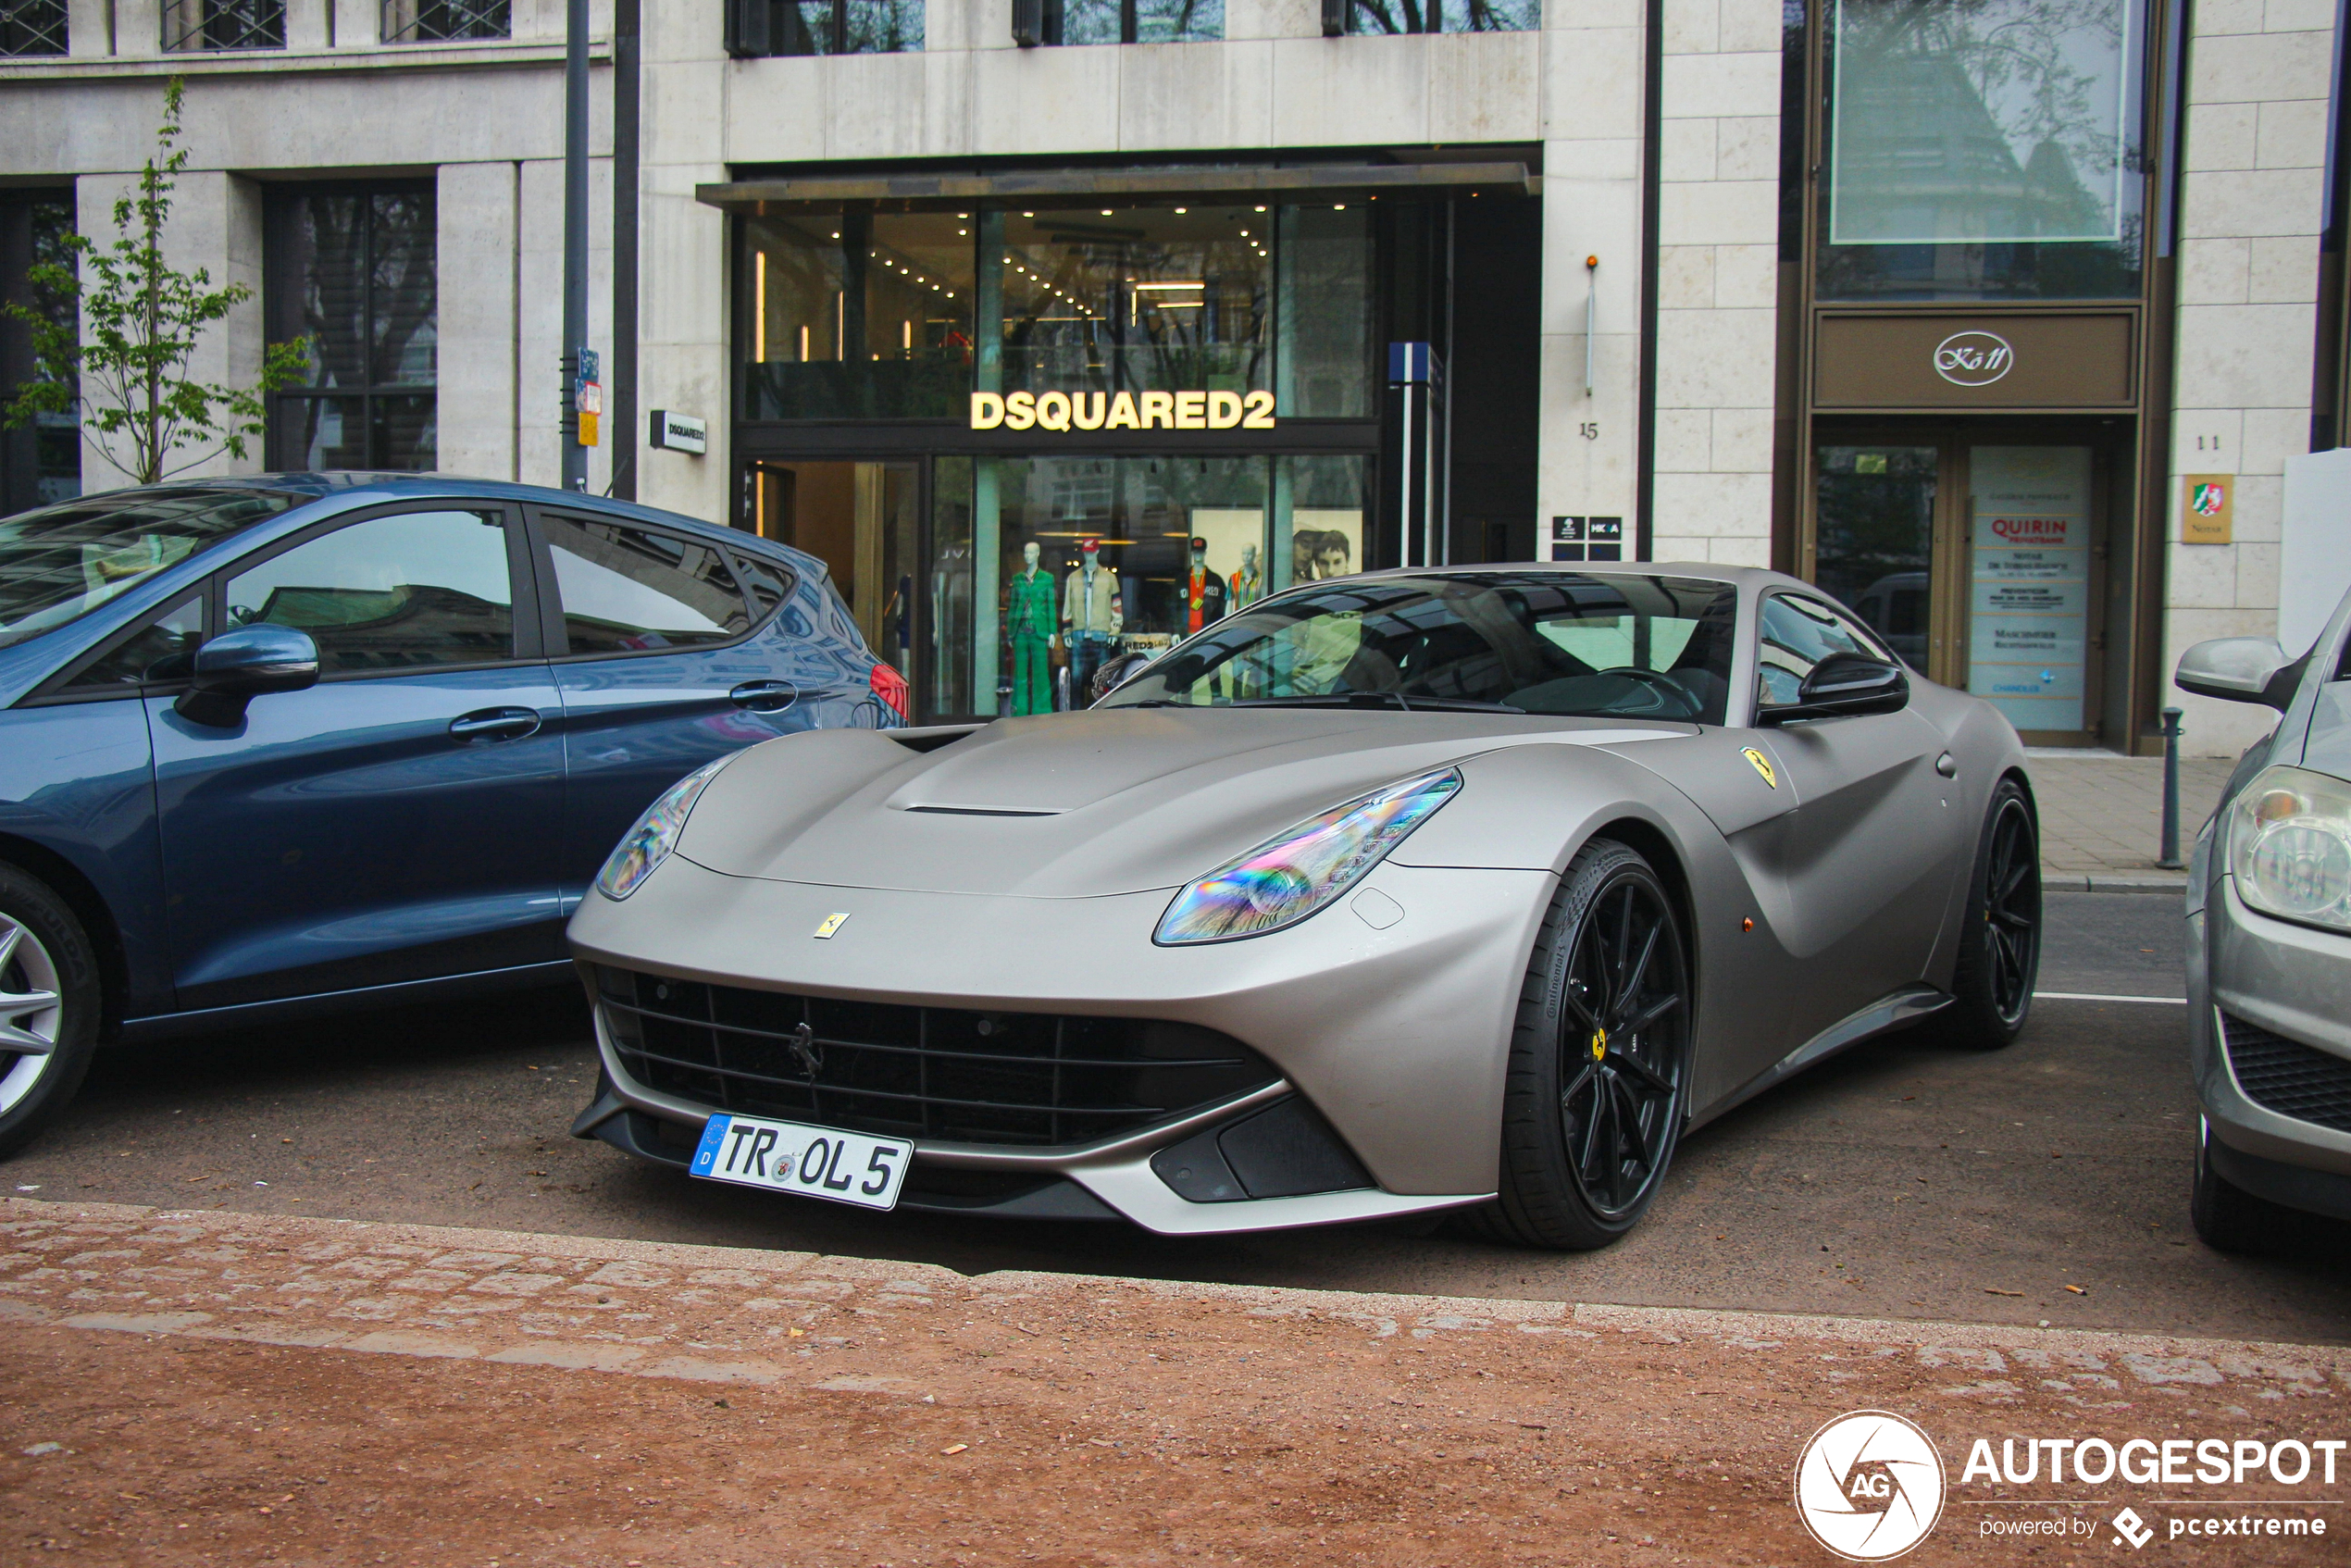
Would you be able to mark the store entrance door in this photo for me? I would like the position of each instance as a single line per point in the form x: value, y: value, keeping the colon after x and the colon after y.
x: 864, y: 521
x: 1978, y: 552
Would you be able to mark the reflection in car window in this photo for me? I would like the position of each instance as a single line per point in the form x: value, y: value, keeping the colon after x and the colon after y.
x: 1542, y: 642
x: 62, y: 562
x: 165, y: 649
x: 1798, y: 634
x: 413, y: 589
x: 767, y: 583
x: 626, y: 590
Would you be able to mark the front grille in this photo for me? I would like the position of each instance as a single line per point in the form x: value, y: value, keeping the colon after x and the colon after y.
x: 1030, y: 1079
x: 2289, y: 1077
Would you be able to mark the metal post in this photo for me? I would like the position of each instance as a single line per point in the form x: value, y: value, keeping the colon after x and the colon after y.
x: 2170, y: 857
x: 574, y: 457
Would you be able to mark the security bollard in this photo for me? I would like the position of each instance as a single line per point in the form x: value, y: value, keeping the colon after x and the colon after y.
x: 2169, y: 859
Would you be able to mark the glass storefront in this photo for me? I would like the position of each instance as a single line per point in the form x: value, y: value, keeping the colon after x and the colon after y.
x: 957, y: 543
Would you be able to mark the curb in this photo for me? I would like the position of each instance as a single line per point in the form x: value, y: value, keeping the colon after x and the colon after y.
x: 2079, y: 882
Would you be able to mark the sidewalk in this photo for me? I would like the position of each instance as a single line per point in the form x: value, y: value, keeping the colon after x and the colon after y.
x: 2102, y: 817
x: 221, y: 1388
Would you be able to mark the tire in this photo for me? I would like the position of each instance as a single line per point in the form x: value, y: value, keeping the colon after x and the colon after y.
x: 2230, y: 1219
x: 1598, y: 1084
x: 2000, y: 930
x: 50, y: 996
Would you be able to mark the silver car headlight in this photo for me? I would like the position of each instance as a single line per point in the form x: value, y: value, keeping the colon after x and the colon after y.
x: 646, y: 845
x: 1295, y: 873
x: 2289, y: 846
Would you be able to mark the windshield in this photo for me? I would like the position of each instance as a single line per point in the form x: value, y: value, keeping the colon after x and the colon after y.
x: 1537, y: 642
x: 62, y: 562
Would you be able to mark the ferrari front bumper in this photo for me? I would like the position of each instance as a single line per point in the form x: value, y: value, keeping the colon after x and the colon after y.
x: 1389, y: 1015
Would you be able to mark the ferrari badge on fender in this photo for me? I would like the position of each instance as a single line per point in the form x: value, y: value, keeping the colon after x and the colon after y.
x: 1762, y: 766
x: 828, y: 925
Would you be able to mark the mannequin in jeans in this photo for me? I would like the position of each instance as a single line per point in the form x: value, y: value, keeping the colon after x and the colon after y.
x: 1091, y: 617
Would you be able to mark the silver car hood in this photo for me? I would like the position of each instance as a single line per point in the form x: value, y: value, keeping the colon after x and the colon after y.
x: 1080, y: 804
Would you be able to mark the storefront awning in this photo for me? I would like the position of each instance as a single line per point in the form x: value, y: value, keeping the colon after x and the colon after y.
x: 917, y: 193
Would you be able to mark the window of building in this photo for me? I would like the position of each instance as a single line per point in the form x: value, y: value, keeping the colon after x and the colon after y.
x: 860, y: 316
x: 1445, y: 16
x: 760, y: 27
x: 42, y: 463
x: 903, y: 315
x: 1133, y: 21
x: 436, y: 21
x: 32, y: 26
x: 1986, y: 150
x: 395, y: 593
x: 197, y: 25
x: 351, y: 268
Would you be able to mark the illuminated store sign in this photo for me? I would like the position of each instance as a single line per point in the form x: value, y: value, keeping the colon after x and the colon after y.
x: 1123, y: 411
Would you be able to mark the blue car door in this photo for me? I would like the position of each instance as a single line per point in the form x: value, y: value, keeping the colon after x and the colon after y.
x: 665, y: 660
x: 399, y: 820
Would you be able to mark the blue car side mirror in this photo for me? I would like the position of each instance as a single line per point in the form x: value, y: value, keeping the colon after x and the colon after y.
x: 239, y: 666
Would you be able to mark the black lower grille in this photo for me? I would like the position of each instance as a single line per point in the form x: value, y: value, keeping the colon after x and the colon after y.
x: 2289, y: 1077
x: 1030, y: 1079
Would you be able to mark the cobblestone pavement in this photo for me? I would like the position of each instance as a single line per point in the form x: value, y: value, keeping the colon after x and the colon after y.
x: 239, y: 1387
x: 2102, y: 816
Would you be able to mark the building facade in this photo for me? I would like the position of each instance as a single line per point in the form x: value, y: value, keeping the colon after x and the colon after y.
x: 2000, y: 320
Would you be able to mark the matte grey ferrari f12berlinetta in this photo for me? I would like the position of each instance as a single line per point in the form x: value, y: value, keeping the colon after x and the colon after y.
x: 1460, y: 889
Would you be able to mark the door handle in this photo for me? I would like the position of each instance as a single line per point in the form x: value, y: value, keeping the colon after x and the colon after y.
x: 1944, y: 766
x: 764, y: 696
x: 485, y: 725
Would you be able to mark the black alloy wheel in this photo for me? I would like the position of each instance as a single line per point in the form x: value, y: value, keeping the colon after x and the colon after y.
x: 1599, y: 1062
x: 1999, y: 957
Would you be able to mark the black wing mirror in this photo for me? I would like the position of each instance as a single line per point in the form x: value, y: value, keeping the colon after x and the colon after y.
x: 239, y: 666
x: 1841, y: 685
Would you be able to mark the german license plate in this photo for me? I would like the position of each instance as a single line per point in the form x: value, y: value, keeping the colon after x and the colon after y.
x: 847, y: 1167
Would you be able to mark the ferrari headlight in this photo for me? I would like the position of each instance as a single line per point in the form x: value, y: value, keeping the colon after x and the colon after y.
x: 645, y: 846
x: 1292, y: 874
x: 2289, y: 846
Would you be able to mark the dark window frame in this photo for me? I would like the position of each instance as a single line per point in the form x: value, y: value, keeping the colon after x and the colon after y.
x: 758, y: 30
x: 31, y: 27
x: 21, y: 472
x: 200, y: 27
x: 444, y: 21
x: 280, y: 293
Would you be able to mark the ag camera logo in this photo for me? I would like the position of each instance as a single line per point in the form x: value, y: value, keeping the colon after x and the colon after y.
x: 1869, y: 1486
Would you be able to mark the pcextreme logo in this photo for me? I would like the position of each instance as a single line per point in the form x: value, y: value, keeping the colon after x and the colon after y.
x: 1869, y: 1486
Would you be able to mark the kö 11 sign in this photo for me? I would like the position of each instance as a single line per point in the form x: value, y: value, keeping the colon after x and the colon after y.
x: 1123, y: 411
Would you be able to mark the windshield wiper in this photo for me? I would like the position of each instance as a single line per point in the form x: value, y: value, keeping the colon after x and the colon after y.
x: 1420, y: 703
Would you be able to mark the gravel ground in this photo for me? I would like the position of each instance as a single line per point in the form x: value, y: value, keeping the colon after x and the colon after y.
x: 194, y: 1387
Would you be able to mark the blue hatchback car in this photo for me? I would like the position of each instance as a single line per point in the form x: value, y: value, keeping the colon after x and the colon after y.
x: 311, y: 741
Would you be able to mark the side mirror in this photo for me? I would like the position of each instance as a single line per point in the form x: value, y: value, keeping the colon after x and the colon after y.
x: 1114, y: 672
x: 1840, y: 686
x: 239, y: 666
x: 2240, y: 669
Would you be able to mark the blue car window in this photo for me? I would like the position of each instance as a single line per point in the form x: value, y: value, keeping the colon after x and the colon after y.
x: 768, y: 584
x: 62, y: 562
x: 164, y: 649
x: 394, y: 592
x: 629, y: 590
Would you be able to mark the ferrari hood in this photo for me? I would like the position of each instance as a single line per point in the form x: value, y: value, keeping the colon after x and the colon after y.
x: 1074, y: 806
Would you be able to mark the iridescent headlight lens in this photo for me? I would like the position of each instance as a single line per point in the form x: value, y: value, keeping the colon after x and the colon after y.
x: 1289, y: 876
x: 2289, y: 846
x: 645, y: 846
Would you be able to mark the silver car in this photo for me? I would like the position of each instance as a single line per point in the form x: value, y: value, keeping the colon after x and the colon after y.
x: 2269, y: 948
x: 1465, y: 888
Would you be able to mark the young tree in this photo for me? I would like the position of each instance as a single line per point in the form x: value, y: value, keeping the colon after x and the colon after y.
x: 129, y: 382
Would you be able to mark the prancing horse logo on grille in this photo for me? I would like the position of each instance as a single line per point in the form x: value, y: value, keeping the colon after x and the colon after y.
x: 803, y: 1049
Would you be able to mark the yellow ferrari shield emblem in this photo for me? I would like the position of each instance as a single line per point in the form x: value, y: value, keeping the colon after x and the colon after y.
x: 1764, y: 765
x: 1600, y: 1044
x: 828, y: 925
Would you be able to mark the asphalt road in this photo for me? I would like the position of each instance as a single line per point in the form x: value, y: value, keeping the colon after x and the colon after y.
x: 1899, y: 1180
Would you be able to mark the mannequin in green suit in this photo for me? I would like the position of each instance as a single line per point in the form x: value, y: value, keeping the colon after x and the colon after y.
x: 1031, y: 620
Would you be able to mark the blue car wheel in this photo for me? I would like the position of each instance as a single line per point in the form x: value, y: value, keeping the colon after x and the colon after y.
x: 49, y: 1003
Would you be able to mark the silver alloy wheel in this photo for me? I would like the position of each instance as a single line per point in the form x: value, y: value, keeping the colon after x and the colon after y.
x: 32, y: 1012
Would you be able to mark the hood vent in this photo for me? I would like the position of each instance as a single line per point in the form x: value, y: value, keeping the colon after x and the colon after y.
x: 979, y: 811
x: 932, y: 737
